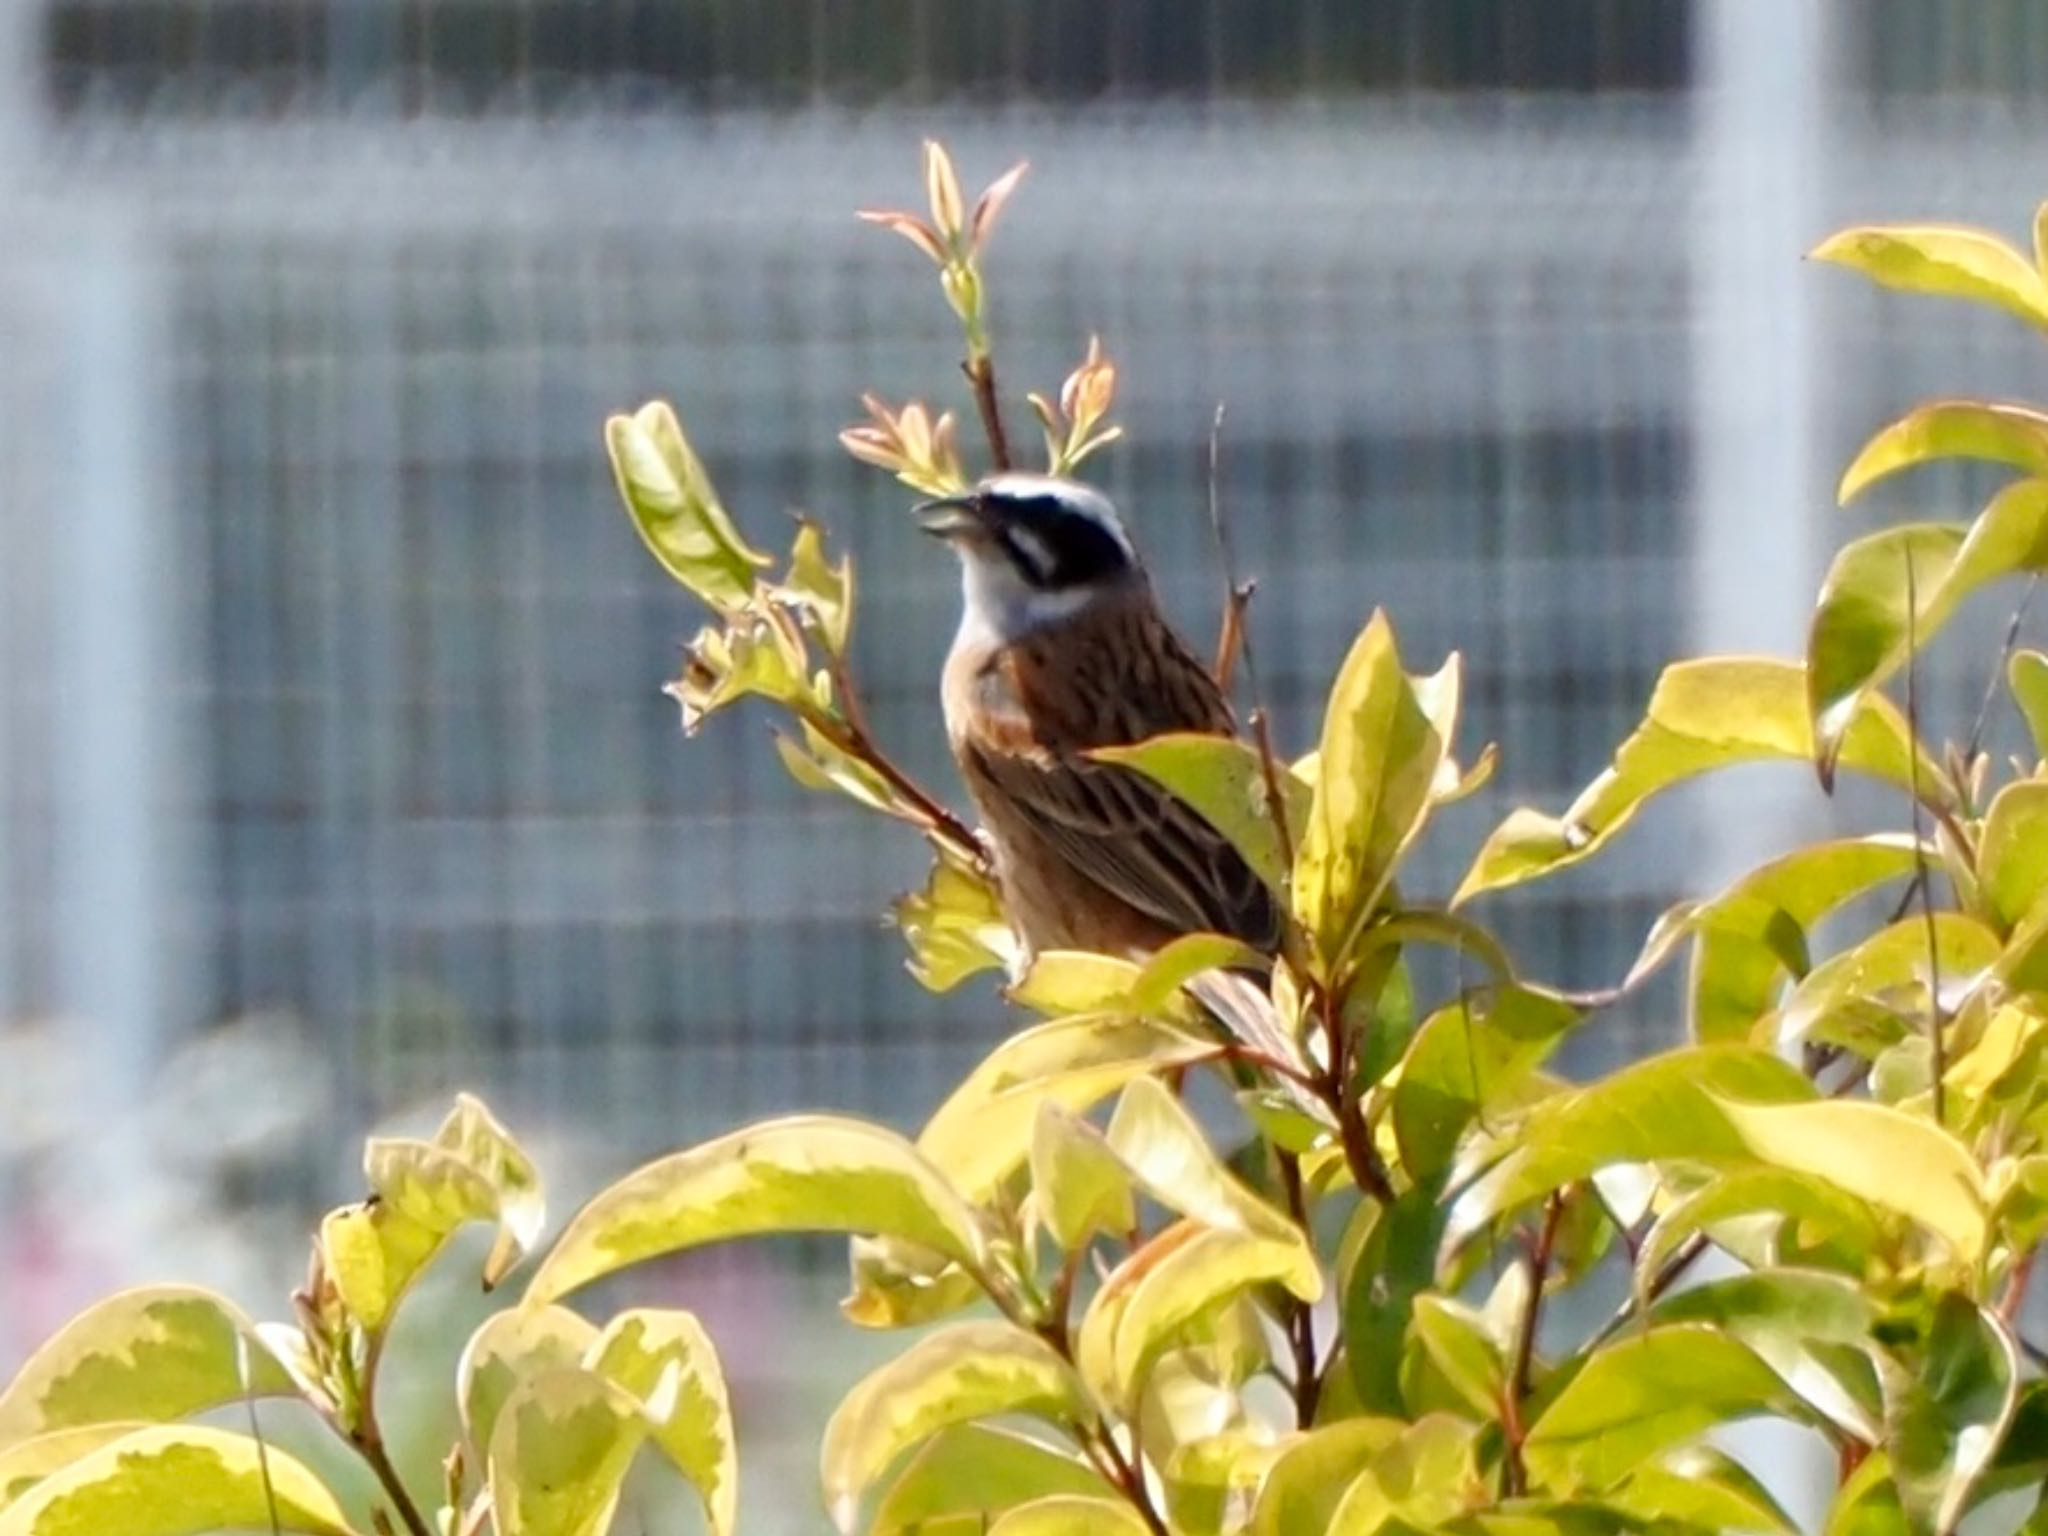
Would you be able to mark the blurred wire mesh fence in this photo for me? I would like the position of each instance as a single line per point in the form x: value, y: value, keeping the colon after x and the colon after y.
x: 330, y: 747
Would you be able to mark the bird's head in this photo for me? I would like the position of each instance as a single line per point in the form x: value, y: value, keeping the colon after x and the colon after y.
x: 1033, y: 547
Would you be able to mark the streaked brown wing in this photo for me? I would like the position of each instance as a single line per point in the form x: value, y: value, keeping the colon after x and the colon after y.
x: 1125, y: 834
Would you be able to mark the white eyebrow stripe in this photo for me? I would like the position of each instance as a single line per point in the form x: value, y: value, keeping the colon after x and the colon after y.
x: 1032, y: 546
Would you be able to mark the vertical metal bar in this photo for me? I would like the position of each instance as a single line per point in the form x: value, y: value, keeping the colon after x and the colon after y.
x: 119, y: 779
x: 1760, y: 132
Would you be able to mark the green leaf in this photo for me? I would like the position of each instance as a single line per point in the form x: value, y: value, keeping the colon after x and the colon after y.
x: 475, y: 1135
x: 1454, y: 1340
x: 971, y: 1471
x: 675, y: 509
x: 1384, y: 736
x: 898, y: 1284
x: 507, y: 1348
x: 1703, y: 715
x: 1897, y: 1161
x: 1425, y: 1477
x: 561, y: 1447
x: 1943, y: 259
x: 1751, y: 935
x: 176, y: 1480
x: 1176, y: 964
x: 2012, y: 851
x: 1862, y: 631
x: 1081, y: 1185
x: 666, y: 1361
x: 1465, y: 1059
x: 963, y: 1372
x: 1867, y: 1504
x: 955, y: 926
x: 1393, y: 1266
x: 1670, y: 1106
x: 823, y: 590
x: 818, y: 764
x: 1062, y: 982
x: 1224, y: 782
x: 1704, y: 1489
x: 1816, y: 1211
x: 1945, y: 1416
x: 1951, y: 429
x: 158, y: 1354
x: 1810, y: 1328
x: 1204, y: 1269
x: 1071, y: 1515
x: 982, y: 1133
x: 804, y: 1173
x: 1640, y: 1396
x: 2027, y: 676
x: 1306, y: 1481
x: 1164, y: 1146
x: 1208, y: 1480
x: 28, y: 1462
x: 1881, y: 985
x: 747, y: 656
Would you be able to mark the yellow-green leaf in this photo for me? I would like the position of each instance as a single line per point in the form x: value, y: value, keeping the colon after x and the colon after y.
x: 561, y: 1447
x: 971, y: 1471
x: 666, y: 1361
x: 804, y: 1173
x: 1887, y: 974
x: 1165, y: 1147
x: 2012, y: 852
x: 983, y: 1132
x: 1816, y: 1210
x: 475, y: 1135
x: 898, y: 1284
x: 1666, y: 1107
x: 1467, y: 1056
x: 2027, y: 676
x: 1947, y: 1412
x: 1702, y: 1489
x: 1944, y: 259
x: 1703, y: 715
x: 954, y: 927
x: 675, y: 509
x: 823, y: 589
x: 1223, y: 782
x: 28, y: 1462
x: 961, y: 1373
x: 1863, y: 629
x: 507, y: 1348
x: 1069, y: 1514
x: 157, y: 1354
x: 1081, y: 1185
x: 176, y: 1480
x: 1060, y: 982
x: 1210, y: 1267
x: 1384, y: 736
x: 1454, y: 1339
x: 1897, y: 1161
x: 1639, y: 1397
x: 1306, y: 1481
x: 1952, y: 429
x: 1426, y: 1477
x: 373, y: 1251
x: 1751, y: 935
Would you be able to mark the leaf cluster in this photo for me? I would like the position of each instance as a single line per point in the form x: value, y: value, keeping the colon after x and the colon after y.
x: 1232, y: 1244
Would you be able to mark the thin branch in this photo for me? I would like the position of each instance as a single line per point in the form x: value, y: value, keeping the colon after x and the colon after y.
x: 1367, y: 1171
x: 1514, y: 1477
x: 2005, y: 650
x: 1233, y: 640
x: 936, y: 818
x: 1936, y: 1046
x: 2015, y: 1298
x: 1301, y: 1326
x: 1673, y: 1270
x: 981, y: 378
x: 1126, y: 1475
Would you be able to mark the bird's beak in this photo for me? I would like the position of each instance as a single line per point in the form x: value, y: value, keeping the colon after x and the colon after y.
x: 949, y: 517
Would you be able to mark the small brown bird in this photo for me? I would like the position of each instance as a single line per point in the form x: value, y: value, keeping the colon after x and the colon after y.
x: 1062, y: 649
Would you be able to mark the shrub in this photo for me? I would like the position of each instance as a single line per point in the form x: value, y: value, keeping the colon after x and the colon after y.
x: 1321, y: 1311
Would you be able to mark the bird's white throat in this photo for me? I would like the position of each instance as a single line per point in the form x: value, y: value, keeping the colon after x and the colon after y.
x: 998, y: 606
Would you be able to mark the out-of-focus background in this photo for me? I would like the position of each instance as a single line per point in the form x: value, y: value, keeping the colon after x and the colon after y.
x: 333, y: 774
